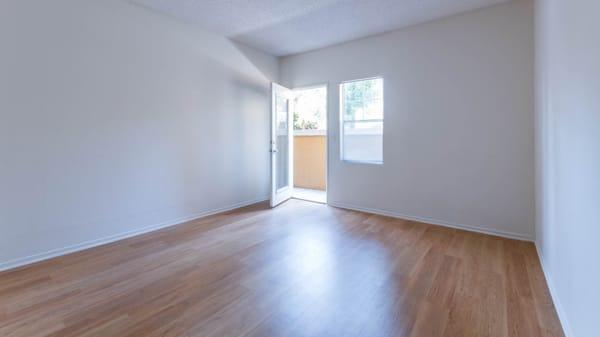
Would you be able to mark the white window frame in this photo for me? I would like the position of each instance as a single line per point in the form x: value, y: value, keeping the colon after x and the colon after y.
x: 342, y: 121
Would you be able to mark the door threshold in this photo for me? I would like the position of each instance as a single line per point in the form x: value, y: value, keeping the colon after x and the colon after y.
x: 318, y: 196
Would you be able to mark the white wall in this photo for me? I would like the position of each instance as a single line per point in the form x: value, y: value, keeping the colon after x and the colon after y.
x: 568, y: 229
x: 459, y: 120
x: 114, y: 118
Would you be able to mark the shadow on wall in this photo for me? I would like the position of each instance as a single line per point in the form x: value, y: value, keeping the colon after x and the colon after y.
x: 268, y: 65
x: 221, y: 49
x: 138, y: 121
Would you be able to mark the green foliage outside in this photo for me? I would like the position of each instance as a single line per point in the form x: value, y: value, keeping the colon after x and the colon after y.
x: 361, y: 99
x: 310, y: 108
x: 304, y: 124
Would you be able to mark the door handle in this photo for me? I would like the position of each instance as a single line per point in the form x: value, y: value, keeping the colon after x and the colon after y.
x: 274, y: 151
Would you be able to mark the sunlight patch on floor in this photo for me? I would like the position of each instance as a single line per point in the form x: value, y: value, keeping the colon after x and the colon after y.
x: 310, y: 195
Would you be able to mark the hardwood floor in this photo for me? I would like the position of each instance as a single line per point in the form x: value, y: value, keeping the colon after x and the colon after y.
x: 302, y: 269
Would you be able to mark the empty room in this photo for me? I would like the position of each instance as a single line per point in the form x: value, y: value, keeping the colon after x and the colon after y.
x: 309, y: 168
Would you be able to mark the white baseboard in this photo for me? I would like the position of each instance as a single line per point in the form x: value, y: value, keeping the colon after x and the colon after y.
x: 16, y: 263
x: 503, y: 234
x: 562, y: 316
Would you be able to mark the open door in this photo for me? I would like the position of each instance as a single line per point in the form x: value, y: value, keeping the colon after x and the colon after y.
x: 282, y: 149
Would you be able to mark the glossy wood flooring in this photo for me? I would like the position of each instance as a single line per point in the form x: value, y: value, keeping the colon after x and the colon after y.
x: 302, y: 269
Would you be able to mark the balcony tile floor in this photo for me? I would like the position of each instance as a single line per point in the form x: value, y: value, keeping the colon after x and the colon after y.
x: 310, y: 195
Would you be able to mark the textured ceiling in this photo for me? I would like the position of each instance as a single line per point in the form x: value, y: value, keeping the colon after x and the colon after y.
x: 283, y: 27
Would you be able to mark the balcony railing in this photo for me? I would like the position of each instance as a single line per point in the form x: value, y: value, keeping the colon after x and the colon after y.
x: 310, y: 153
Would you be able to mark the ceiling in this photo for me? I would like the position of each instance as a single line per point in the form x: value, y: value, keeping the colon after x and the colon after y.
x: 284, y: 27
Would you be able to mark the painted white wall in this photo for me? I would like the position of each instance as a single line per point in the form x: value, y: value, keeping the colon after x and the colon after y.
x: 568, y: 111
x: 114, y: 118
x: 459, y: 121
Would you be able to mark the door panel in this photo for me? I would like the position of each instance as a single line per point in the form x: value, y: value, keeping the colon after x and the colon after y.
x: 281, y: 145
x: 282, y: 142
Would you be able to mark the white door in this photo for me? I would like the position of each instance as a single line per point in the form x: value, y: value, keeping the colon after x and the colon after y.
x: 282, y: 149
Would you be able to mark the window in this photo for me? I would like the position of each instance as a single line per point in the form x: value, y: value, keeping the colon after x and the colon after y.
x: 362, y: 120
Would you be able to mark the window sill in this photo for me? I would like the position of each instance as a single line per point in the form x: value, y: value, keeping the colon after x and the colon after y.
x: 362, y: 162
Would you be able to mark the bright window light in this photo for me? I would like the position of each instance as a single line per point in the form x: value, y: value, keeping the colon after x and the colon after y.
x: 361, y: 104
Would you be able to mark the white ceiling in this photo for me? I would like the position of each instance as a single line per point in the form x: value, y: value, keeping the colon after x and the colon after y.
x: 283, y: 27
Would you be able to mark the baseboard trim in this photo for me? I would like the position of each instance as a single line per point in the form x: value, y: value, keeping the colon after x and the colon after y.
x: 503, y: 234
x: 21, y: 262
x: 562, y: 316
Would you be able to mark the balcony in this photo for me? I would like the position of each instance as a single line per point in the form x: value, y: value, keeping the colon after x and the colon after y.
x: 310, y: 165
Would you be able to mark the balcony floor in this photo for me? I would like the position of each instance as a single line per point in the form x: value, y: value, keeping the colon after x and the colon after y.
x: 310, y: 195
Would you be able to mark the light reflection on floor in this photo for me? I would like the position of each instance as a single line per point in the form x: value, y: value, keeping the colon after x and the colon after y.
x: 328, y: 279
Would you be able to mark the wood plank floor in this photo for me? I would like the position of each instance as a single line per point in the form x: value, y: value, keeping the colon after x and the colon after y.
x: 302, y: 269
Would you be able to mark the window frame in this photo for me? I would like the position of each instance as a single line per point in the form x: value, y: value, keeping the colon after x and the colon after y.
x: 343, y: 122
